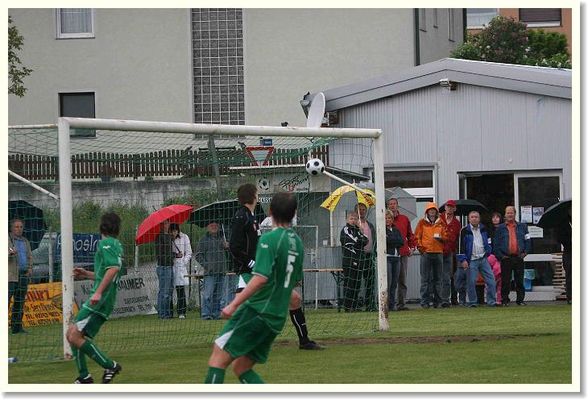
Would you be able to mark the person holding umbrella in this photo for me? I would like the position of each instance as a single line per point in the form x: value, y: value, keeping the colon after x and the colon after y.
x: 453, y: 227
x: 165, y: 270
x: 20, y: 267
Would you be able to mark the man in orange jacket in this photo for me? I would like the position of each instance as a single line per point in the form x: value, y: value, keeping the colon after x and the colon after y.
x: 430, y: 234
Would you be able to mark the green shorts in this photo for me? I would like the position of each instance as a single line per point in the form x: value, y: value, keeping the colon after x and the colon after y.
x: 247, y: 334
x: 89, y: 323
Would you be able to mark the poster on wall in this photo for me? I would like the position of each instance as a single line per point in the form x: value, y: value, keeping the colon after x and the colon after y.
x: 537, y: 213
x: 526, y: 214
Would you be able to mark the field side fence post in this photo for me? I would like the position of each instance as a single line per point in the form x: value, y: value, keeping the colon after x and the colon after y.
x: 66, y: 217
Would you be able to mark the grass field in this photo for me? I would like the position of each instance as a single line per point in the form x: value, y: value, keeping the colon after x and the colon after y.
x: 451, y: 346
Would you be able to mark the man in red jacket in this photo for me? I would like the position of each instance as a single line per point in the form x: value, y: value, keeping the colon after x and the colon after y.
x: 402, y: 223
x: 453, y: 227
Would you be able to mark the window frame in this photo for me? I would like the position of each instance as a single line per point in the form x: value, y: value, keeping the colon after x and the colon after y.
x: 76, y: 35
x: 542, y: 24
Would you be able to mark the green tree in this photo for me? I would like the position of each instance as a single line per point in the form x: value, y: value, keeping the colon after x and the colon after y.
x: 505, y: 40
x: 16, y: 71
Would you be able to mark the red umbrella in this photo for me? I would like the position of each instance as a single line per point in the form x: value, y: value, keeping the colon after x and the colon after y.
x: 150, y: 227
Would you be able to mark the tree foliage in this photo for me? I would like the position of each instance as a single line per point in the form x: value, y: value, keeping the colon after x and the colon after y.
x: 16, y: 71
x: 505, y: 40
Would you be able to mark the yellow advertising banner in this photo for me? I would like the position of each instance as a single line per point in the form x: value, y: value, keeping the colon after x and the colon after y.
x: 43, y: 305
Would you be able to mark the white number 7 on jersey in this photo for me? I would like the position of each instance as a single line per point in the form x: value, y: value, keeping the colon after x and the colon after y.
x: 289, y: 269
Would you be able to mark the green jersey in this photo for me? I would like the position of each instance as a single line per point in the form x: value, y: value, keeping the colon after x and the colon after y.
x: 108, y: 255
x: 279, y: 258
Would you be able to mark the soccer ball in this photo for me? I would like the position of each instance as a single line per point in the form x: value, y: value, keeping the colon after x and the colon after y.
x: 263, y: 184
x: 315, y: 166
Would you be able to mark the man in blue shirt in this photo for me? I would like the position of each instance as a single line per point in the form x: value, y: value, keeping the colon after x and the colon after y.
x: 20, y: 265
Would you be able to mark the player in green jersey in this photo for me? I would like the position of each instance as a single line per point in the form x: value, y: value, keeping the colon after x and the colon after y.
x: 96, y: 310
x: 259, y: 312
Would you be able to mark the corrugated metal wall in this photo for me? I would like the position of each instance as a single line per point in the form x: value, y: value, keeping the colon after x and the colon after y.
x: 470, y: 129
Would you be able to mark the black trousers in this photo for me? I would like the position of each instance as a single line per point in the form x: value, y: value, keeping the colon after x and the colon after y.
x: 351, y: 284
x: 368, y: 272
x: 567, y: 264
x: 507, y: 265
x: 181, y: 306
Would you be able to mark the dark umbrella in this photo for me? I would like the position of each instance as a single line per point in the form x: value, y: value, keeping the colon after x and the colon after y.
x: 464, y: 206
x: 555, y: 215
x: 221, y: 212
x: 34, y: 224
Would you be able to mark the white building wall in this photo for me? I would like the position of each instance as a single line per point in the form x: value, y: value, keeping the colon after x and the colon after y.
x: 435, y: 39
x: 289, y: 52
x: 138, y: 64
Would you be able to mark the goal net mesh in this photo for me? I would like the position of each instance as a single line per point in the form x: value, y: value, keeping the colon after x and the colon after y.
x: 136, y: 174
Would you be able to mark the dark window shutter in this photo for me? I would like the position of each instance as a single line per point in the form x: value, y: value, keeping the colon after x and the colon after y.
x: 540, y: 14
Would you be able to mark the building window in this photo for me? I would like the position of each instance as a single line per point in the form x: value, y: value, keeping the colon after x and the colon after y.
x: 81, y: 105
x: 479, y: 18
x: 451, y: 24
x: 435, y: 18
x: 219, y: 81
x: 75, y: 23
x: 423, y: 19
x: 535, y: 17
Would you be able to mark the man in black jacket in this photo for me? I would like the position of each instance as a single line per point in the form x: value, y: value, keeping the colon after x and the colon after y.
x: 243, y: 243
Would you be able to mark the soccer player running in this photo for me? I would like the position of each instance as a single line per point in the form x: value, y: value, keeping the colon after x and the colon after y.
x: 258, y: 313
x: 242, y: 245
x: 96, y: 310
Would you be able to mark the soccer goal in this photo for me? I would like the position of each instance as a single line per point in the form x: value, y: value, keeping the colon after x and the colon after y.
x: 137, y: 167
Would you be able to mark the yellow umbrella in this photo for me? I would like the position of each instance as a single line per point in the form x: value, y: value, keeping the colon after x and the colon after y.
x: 368, y: 197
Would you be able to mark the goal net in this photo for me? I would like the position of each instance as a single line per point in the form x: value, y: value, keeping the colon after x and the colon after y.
x: 137, y: 168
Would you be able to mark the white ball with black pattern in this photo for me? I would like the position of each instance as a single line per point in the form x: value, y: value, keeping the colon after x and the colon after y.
x: 315, y: 167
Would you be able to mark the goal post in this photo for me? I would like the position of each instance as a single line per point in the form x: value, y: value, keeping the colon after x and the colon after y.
x: 124, y: 144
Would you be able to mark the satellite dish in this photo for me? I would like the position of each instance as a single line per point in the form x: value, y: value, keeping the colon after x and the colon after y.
x: 316, y: 112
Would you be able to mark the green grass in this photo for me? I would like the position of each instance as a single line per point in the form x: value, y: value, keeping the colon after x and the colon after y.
x: 455, y: 346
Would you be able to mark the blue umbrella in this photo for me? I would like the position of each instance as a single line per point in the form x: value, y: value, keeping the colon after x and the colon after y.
x: 34, y: 224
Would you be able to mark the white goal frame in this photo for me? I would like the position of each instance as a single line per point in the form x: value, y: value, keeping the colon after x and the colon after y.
x: 65, y: 124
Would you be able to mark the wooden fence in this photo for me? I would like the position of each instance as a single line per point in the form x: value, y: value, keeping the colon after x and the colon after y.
x: 160, y: 163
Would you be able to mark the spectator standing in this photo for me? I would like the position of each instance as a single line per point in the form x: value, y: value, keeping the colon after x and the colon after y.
x: 394, y: 242
x: 20, y: 268
x: 473, y: 257
x: 352, y: 242
x: 183, y: 254
x: 496, y: 219
x: 564, y: 236
x: 402, y: 223
x: 366, y: 264
x: 512, y: 244
x: 211, y: 255
x: 165, y: 271
x: 452, y: 227
x: 430, y: 234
